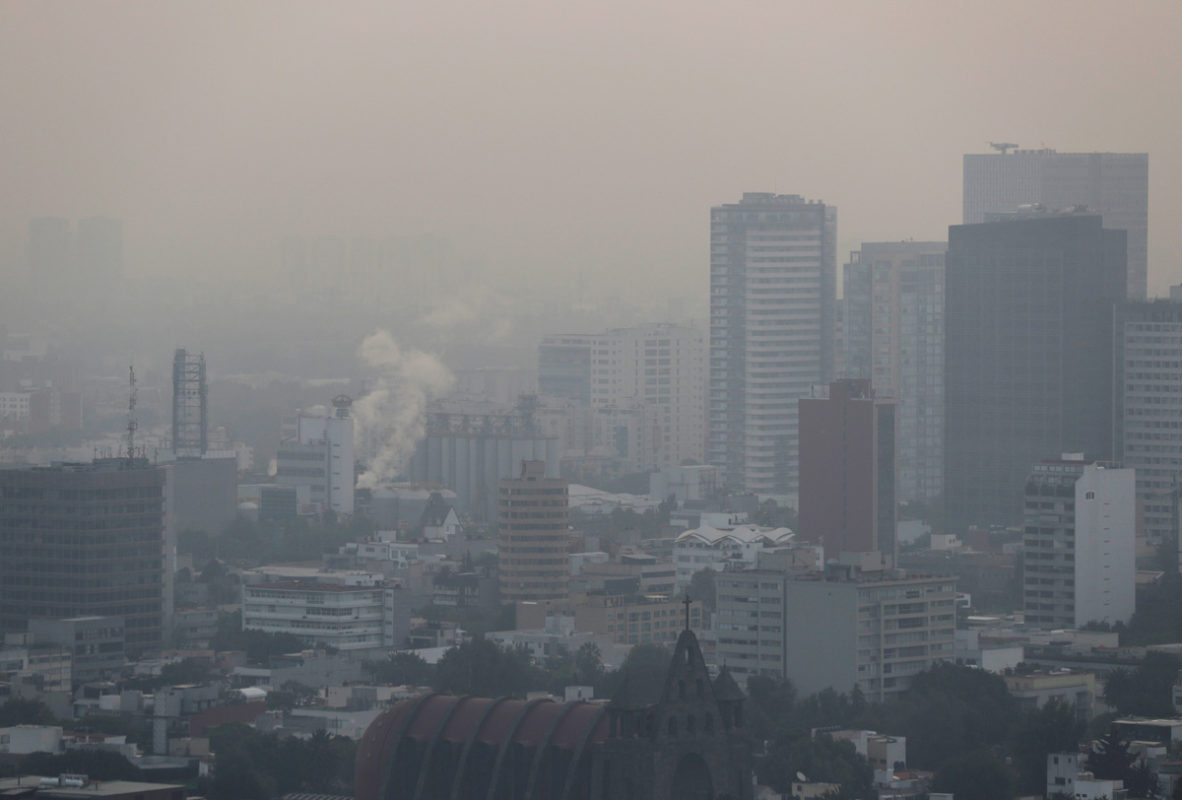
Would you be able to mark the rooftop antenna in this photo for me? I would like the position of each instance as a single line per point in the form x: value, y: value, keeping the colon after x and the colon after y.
x: 131, y: 423
x: 1003, y: 147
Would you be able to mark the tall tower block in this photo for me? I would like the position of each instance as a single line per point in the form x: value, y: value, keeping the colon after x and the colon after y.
x: 189, y: 406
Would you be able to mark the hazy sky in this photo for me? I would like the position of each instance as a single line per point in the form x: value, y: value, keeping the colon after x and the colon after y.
x: 559, y: 135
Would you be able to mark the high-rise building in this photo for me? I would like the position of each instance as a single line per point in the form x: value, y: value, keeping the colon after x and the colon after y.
x: 1148, y: 417
x: 100, y: 250
x: 82, y: 540
x: 659, y: 366
x: 847, y: 469
x: 1078, y: 545
x: 564, y: 366
x: 51, y: 251
x: 190, y: 419
x: 773, y: 284
x: 893, y: 334
x: 1028, y: 355
x: 1114, y: 185
x: 533, y: 536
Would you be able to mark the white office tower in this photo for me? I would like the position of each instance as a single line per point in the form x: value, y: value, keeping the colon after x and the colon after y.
x: 1079, y: 550
x: 317, y: 453
x: 893, y: 334
x: 1116, y: 185
x: 773, y: 283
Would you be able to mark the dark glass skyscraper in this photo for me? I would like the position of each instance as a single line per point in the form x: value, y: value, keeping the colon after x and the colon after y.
x: 1028, y: 355
x: 78, y: 540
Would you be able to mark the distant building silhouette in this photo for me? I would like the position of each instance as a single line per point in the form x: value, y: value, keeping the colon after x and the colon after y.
x: 893, y: 334
x: 1114, y: 185
x: 1149, y: 409
x: 1028, y: 355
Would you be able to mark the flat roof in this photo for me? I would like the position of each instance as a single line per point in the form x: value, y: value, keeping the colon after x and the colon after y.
x: 91, y: 789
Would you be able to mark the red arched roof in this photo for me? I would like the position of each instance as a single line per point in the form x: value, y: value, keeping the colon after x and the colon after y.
x: 455, y: 719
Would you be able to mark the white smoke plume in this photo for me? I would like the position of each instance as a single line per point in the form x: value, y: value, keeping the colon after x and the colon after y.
x: 391, y: 418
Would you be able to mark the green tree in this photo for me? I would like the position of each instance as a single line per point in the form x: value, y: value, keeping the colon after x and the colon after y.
x: 948, y: 711
x: 703, y: 589
x: 189, y: 670
x: 99, y: 764
x: 974, y: 776
x: 19, y: 711
x: 401, y: 669
x: 480, y: 667
x: 1054, y: 728
x: 819, y: 758
x: 769, y: 706
x: 1141, y: 781
x: 646, y: 666
x: 1158, y: 616
x: 1110, y: 758
x: 1147, y: 690
x: 588, y: 665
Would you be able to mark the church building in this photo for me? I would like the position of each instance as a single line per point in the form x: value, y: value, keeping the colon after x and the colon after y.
x: 688, y: 746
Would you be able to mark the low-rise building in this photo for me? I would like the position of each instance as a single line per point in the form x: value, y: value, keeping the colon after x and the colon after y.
x: 874, y: 629
x: 1036, y: 689
x: 96, y: 644
x: 1062, y: 770
x: 1167, y: 730
x: 333, y: 614
x: 622, y: 619
x: 49, y: 667
x: 24, y: 739
x: 723, y: 548
x: 80, y: 787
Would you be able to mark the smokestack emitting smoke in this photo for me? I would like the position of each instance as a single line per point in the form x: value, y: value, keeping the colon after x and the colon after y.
x: 392, y: 418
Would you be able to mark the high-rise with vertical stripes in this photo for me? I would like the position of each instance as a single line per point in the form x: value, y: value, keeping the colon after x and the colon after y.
x: 773, y: 285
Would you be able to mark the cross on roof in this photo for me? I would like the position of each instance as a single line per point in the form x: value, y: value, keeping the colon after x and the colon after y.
x: 687, y: 608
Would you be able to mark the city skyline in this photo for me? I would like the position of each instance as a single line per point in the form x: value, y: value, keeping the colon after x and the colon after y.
x: 212, y: 155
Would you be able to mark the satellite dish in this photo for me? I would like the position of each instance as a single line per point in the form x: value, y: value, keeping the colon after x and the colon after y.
x: 800, y: 776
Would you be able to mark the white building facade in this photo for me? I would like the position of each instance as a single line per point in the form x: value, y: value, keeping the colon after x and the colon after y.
x: 318, y: 452
x: 1079, y: 544
x: 723, y: 549
x: 772, y: 327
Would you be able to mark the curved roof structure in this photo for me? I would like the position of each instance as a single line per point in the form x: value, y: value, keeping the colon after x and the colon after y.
x: 427, y: 746
x: 740, y: 534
